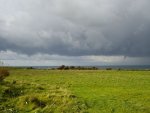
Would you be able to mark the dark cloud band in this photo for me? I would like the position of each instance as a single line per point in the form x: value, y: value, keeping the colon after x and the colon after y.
x: 76, y: 28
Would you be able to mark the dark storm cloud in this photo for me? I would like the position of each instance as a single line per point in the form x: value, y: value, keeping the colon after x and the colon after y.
x: 76, y: 27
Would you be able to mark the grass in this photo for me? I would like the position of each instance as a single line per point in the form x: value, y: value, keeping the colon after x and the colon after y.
x: 75, y: 91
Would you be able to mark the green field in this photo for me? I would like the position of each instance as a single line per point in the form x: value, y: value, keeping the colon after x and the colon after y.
x: 75, y: 91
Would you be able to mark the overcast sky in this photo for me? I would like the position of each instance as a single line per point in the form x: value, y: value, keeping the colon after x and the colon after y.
x: 75, y: 32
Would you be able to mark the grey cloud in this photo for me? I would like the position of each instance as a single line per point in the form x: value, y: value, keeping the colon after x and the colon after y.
x: 76, y: 27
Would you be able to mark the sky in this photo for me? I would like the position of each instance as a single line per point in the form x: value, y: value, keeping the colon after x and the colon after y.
x: 74, y: 32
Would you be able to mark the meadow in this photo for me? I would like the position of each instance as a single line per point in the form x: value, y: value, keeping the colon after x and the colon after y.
x: 75, y: 91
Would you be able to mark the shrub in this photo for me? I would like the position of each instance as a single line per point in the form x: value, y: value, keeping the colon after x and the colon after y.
x: 3, y: 74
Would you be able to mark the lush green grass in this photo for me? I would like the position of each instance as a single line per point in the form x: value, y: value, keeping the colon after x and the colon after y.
x: 73, y: 91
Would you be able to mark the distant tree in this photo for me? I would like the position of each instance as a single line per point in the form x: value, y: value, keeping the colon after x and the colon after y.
x: 61, y: 67
x: 30, y: 68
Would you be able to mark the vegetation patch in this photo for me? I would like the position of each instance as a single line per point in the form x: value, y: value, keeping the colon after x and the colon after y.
x: 12, y: 92
x: 34, y: 98
x: 56, y: 100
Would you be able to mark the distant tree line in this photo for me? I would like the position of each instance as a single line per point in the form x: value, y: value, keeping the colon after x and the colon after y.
x: 63, y: 67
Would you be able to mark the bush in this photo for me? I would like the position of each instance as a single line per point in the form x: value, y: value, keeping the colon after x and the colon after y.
x: 3, y: 74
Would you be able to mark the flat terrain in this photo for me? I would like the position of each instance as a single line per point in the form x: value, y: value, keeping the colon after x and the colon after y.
x: 75, y: 91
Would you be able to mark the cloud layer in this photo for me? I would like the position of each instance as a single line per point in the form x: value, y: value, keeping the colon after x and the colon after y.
x: 76, y: 27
